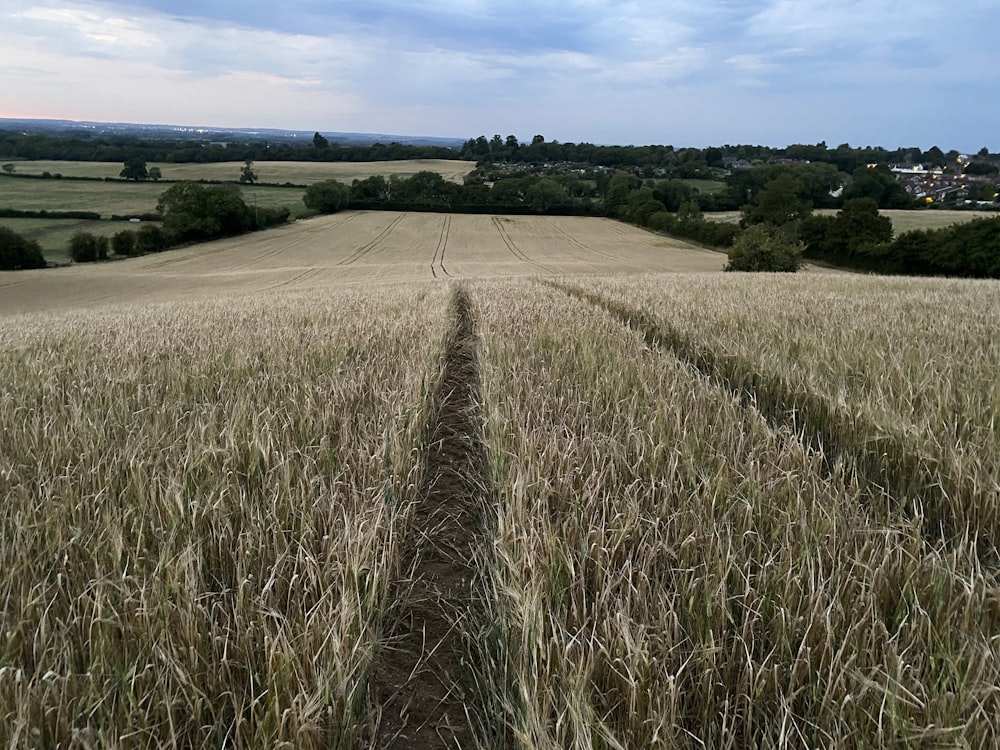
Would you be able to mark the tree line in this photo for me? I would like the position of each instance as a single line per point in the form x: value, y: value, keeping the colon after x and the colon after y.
x: 693, y: 162
x: 121, y: 148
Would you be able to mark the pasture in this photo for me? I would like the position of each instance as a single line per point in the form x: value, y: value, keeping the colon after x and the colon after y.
x: 296, y: 172
x: 389, y: 480
x: 902, y: 221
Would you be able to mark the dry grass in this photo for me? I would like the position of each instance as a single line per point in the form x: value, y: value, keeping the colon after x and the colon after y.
x: 297, y: 172
x: 202, y: 508
x: 675, y: 572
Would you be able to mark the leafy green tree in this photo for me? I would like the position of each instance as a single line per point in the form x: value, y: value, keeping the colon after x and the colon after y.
x: 545, y: 193
x: 777, y: 204
x: 327, y: 197
x: 428, y: 188
x: 880, y: 185
x: 123, y: 243
x: 18, y: 252
x: 193, y: 212
x: 319, y: 142
x: 640, y: 205
x: 247, y: 175
x: 134, y: 169
x: 151, y: 239
x: 757, y: 249
x: 155, y: 174
x: 9, y: 168
x: 85, y: 247
x: 619, y: 187
x: 374, y: 189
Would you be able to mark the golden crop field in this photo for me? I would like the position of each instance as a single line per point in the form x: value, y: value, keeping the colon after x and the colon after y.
x: 387, y: 480
x: 902, y: 221
x: 297, y: 172
x: 361, y: 247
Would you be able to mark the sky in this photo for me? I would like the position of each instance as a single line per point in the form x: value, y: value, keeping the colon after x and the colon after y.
x: 686, y: 73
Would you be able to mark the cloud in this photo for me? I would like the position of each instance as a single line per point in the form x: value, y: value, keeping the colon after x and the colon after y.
x: 579, y: 69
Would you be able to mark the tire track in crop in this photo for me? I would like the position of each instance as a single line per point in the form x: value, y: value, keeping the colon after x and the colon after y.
x: 372, y: 243
x: 438, y: 258
x: 578, y: 244
x: 426, y: 681
x: 890, y: 466
x: 514, y: 249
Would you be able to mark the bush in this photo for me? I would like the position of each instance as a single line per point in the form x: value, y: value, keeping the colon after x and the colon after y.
x: 270, y: 217
x: 85, y: 247
x: 193, y: 212
x: 151, y: 239
x: 327, y: 197
x: 123, y: 243
x: 17, y: 252
x: 756, y: 249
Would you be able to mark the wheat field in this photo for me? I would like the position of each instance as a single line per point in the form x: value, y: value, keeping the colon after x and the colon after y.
x: 393, y: 480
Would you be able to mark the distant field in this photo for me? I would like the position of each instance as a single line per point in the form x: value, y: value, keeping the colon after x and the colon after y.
x: 297, y: 172
x: 54, y: 234
x: 705, y: 186
x: 902, y: 221
x: 123, y: 198
x: 360, y: 247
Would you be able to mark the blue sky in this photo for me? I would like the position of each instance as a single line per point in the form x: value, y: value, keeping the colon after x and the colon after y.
x: 687, y: 73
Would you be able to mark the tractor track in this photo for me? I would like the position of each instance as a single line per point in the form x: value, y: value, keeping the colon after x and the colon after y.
x: 373, y: 243
x: 426, y: 681
x: 892, y: 470
x: 514, y: 249
x: 438, y: 258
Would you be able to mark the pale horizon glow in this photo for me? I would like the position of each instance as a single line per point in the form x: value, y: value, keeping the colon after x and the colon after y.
x: 711, y: 72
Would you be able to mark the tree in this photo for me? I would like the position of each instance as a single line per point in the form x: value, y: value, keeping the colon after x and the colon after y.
x: 320, y: 142
x: 546, y: 193
x: 151, y: 239
x: 757, y: 249
x: 85, y: 247
x: 123, y: 243
x: 778, y: 203
x: 247, y: 174
x: 18, y: 252
x: 374, y: 189
x: 155, y: 174
x: 135, y: 169
x: 9, y: 168
x: 880, y: 185
x: 200, y: 212
x: 327, y: 197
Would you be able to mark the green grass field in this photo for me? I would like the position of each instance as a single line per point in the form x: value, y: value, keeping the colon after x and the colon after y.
x: 297, y: 172
x: 902, y: 221
x: 123, y: 198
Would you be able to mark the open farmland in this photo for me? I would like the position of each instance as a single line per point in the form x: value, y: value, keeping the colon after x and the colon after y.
x: 902, y: 221
x: 361, y: 247
x: 119, y: 197
x: 399, y: 480
x: 296, y: 172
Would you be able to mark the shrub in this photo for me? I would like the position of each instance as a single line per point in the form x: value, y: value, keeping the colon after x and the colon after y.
x: 17, y: 252
x: 151, y: 239
x: 327, y: 197
x: 123, y: 243
x: 757, y: 249
x: 85, y: 247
